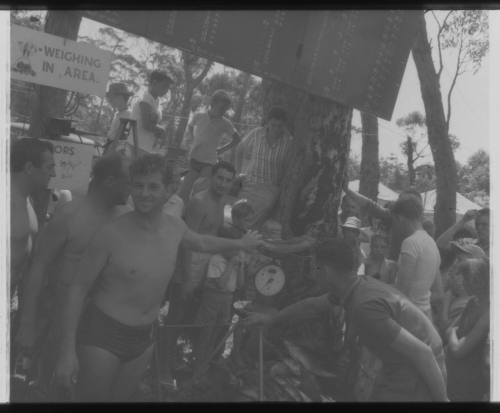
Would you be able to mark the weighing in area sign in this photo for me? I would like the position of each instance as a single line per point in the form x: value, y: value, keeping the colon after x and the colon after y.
x: 49, y: 60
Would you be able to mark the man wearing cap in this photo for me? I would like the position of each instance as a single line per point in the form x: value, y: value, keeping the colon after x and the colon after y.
x: 482, y: 224
x: 384, y: 320
x: 151, y: 137
x: 118, y: 96
x: 204, y: 132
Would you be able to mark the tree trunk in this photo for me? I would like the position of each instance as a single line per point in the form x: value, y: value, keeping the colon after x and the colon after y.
x: 442, y: 152
x: 410, y: 161
x: 191, y: 84
x: 310, y: 194
x: 49, y: 102
x: 238, y: 112
x: 184, y: 115
x: 370, y: 170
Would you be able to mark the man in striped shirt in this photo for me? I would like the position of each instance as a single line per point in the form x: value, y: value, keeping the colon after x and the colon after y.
x: 261, y: 158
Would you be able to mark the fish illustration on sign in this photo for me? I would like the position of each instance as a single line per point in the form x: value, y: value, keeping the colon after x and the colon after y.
x: 23, y: 63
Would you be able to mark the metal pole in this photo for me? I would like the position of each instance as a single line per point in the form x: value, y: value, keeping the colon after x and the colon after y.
x: 261, y: 367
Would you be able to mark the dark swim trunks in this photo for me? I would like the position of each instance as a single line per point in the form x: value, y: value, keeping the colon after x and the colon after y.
x: 100, y: 330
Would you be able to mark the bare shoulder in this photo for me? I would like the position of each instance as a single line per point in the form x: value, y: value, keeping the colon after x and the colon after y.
x: 172, y: 222
x: 115, y: 228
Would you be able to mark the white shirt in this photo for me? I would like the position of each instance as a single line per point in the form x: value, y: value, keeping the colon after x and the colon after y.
x: 418, y: 267
x: 146, y: 139
x: 115, y: 123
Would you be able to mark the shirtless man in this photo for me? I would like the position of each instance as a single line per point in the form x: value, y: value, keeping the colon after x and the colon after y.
x: 61, y: 246
x: 204, y: 215
x: 126, y: 269
x: 31, y: 166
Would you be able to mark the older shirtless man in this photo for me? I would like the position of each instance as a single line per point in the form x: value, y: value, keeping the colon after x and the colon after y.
x: 126, y: 269
x: 31, y: 166
x: 61, y: 245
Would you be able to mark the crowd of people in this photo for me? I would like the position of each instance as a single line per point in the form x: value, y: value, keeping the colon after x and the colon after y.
x: 91, y: 283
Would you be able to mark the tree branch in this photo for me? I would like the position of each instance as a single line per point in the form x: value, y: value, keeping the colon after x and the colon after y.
x: 440, y: 31
x: 453, y: 83
x: 203, y: 73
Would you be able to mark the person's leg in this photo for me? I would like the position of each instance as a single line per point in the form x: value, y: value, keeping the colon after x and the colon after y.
x: 97, y: 372
x: 223, y: 321
x: 207, y: 316
x: 169, y: 335
x: 129, y: 376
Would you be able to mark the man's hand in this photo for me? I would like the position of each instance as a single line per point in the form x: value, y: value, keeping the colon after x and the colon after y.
x: 469, y: 215
x: 66, y: 370
x: 257, y: 319
x: 251, y: 240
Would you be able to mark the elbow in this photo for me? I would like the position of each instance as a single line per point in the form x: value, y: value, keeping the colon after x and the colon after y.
x: 422, y: 355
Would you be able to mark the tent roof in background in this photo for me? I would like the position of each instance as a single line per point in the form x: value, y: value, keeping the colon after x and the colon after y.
x: 463, y: 204
x: 384, y: 193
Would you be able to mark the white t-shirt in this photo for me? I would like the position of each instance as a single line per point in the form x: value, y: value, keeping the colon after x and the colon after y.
x: 146, y: 139
x: 420, y: 256
x: 216, y: 268
x: 115, y: 123
x: 207, y: 134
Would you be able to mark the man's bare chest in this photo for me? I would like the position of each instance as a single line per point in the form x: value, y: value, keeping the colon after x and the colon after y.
x: 142, y: 260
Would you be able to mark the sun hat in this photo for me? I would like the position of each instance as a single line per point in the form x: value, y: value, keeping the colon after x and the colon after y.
x: 352, y: 222
x: 468, y: 246
x: 118, y: 89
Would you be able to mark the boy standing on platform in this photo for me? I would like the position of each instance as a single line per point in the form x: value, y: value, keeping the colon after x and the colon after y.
x: 205, y: 131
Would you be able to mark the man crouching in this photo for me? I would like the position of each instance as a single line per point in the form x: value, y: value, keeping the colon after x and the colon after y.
x: 107, y: 339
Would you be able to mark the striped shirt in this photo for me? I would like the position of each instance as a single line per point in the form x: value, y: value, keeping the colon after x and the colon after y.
x: 264, y: 163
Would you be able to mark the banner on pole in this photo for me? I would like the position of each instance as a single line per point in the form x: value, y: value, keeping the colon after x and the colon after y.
x: 73, y: 166
x: 50, y: 60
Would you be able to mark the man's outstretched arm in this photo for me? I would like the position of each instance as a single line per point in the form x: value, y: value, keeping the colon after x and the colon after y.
x: 301, y: 309
x: 422, y: 358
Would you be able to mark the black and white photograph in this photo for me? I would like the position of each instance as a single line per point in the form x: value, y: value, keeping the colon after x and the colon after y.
x: 235, y: 205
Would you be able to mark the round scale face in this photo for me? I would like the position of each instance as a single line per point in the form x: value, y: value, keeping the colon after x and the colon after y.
x: 269, y: 280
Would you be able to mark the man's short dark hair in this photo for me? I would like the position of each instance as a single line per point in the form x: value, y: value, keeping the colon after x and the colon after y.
x: 409, y: 208
x: 485, y: 212
x: 223, y: 165
x: 242, y: 209
x: 159, y: 76
x: 28, y: 150
x: 108, y: 165
x: 338, y: 254
x: 149, y: 164
x: 278, y: 113
x: 412, y: 191
x: 463, y: 233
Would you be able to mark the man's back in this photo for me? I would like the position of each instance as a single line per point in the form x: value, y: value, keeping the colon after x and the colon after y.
x: 377, y: 312
x: 418, y: 268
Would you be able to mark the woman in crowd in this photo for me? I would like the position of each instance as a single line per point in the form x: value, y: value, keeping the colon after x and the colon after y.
x: 467, y: 339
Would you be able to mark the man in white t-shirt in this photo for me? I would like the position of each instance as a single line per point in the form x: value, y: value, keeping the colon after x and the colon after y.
x: 146, y: 111
x: 118, y: 96
x: 204, y: 132
x: 419, y: 259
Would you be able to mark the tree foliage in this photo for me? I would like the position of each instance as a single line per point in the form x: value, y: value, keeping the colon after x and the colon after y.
x: 474, y: 178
